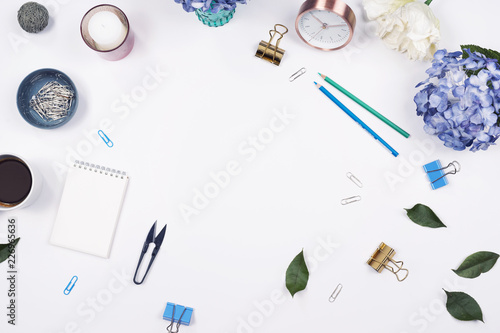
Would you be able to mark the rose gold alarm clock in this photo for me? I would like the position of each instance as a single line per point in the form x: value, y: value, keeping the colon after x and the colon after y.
x: 325, y: 24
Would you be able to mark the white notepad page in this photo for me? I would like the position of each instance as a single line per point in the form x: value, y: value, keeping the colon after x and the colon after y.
x: 89, y: 210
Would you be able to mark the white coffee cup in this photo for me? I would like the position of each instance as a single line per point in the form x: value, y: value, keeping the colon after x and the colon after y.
x: 36, y: 184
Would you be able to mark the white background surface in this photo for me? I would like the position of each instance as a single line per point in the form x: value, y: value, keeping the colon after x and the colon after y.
x: 234, y: 254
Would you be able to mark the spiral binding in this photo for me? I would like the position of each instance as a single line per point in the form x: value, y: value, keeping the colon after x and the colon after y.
x: 101, y: 169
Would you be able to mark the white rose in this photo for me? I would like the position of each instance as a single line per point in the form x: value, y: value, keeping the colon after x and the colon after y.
x: 376, y: 8
x: 412, y: 28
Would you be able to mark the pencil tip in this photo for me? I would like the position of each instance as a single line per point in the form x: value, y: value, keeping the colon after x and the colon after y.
x: 315, y: 83
x: 320, y: 74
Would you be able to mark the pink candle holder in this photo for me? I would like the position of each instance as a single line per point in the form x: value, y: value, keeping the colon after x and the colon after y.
x: 106, y: 30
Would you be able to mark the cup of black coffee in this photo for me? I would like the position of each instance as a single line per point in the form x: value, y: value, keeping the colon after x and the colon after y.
x: 20, y: 183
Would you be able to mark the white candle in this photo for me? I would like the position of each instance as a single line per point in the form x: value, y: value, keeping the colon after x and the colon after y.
x: 106, y: 30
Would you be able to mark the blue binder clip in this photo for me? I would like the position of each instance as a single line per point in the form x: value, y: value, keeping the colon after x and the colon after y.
x: 177, y: 314
x: 437, y: 175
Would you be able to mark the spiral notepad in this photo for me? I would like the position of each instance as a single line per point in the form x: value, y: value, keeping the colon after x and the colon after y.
x: 90, y: 208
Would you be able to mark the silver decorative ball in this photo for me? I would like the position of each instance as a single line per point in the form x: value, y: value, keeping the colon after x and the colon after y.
x: 33, y: 17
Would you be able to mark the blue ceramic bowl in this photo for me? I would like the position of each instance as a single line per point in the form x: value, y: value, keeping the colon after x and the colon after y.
x: 30, y: 87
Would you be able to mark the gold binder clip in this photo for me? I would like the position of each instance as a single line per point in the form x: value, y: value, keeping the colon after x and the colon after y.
x: 382, y: 257
x: 270, y: 52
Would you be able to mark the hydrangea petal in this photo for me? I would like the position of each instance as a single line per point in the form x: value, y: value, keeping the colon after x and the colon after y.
x: 463, y: 112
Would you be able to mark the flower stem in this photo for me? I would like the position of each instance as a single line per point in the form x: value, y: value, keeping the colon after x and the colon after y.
x: 428, y: 2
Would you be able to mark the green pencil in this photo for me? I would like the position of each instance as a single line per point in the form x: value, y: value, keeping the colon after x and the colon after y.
x: 366, y: 106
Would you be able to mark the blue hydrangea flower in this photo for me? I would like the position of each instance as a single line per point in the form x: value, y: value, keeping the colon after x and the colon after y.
x: 460, y: 100
x: 213, y: 5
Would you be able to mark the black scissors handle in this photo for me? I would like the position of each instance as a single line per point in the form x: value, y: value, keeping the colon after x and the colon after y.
x: 153, y: 256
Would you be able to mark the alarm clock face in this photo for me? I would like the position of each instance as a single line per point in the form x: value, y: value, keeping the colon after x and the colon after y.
x: 324, y: 29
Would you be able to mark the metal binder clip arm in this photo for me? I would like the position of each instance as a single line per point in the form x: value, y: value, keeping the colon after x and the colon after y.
x: 151, y: 238
x: 381, y: 258
x: 401, y: 269
x: 399, y: 266
x: 456, y: 168
x: 270, y: 52
x: 171, y: 326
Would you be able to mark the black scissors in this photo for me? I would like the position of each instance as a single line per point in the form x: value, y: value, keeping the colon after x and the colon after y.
x: 151, y: 238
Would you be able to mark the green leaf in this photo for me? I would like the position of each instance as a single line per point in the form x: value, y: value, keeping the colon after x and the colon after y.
x: 5, y: 251
x: 492, y: 54
x: 477, y: 263
x: 424, y: 216
x: 463, y: 307
x: 297, y: 274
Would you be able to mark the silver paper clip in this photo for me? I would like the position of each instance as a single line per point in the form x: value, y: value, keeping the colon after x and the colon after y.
x: 354, y: 180
x: 335, y: 293
x: 350, y: 200
x: 297, y: 74
x: 70, y: 285
x: 105, y: 138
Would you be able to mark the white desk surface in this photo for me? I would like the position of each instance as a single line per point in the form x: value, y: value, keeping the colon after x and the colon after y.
x: 229, y: 262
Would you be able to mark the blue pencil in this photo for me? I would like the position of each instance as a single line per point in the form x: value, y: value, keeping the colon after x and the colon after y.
x: 355, y: 118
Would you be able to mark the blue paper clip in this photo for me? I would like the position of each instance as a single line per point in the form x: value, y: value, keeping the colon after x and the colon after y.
x: 105, y: 138
x: 70, y: 285
x: 436, y: 173
x: 177, y: 314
